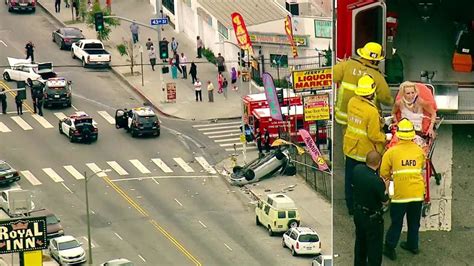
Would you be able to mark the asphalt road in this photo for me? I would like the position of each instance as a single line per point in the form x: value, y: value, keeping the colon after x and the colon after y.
x: 150, y: 216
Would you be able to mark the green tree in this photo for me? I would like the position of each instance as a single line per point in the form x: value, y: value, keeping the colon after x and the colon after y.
x: 127, y: 48
x: 109, y: 22
x: 328, y: 57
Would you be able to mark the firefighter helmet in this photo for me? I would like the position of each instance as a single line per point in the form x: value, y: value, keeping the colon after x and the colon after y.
x: 405, y: 130
x: 365, y: 86
x: 371, y: 51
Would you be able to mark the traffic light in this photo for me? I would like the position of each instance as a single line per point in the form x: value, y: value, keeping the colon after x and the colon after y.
x: 280, y: 96
x: 99, y: 21
x: 163, y: 50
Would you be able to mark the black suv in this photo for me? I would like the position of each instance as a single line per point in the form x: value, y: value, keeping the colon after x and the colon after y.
x: 57, y: 91
x: 138, y: 121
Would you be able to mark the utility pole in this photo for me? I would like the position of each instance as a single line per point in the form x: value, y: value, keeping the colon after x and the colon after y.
x: 159, y: 13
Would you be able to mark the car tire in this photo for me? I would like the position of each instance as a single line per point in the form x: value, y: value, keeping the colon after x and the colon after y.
x: 69, y: 104
x: 257, y: 221
x: 292, y: 224
x: 293, y: 252
x: 54, y: 39
x: 283, y: 242
x: 60, y: 129
x: 72, y: 54
x: 61, y: 45
x: 84, y: 65
x: 6, y: 76
x: 71, y: 139
x: 279, y: 155
x: 134, y: 134
x: 237, y: 169
x: 158, y: 133
x: 290, y: 170
x: 270, y: 231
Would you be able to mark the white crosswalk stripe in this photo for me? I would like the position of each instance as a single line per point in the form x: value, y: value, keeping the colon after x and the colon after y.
x: 227, y: 140
x: 225, y: 134
x: 183, y: 165
x: 140, y: 166
x: 107, y: 117
x: 117, y: 168
x: 214, y: 124
x: 60, y: 116
x: 51, y: 173
x: 242, y: 148
x: 162, y: 165
x: 202, y: 161
x: 42, y: 121
x: 30, y: 177
x: 4, y: 128
x: 22, y: 123
x: 96, y: 169
x: 73, y: 171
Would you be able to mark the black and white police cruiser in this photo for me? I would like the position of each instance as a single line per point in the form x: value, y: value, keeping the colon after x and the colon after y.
x: 79, y: 127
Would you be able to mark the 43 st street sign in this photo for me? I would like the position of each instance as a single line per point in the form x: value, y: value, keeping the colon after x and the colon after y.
x: 22, y: 234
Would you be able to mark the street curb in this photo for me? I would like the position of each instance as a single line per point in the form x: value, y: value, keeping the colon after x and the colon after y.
x: 130, y: 85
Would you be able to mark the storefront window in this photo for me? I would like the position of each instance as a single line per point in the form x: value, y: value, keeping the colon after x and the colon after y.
x: 223, y: 30
x: 322, y: 28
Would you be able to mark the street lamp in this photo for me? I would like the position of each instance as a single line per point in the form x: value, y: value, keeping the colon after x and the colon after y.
x: 86, y: 179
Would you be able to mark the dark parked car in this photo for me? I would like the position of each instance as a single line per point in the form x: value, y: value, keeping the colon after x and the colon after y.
x: 57, y: 91
x: 21, y: 5
x: 65, y: 37
x: 53, y: 223
x: 8, y: 174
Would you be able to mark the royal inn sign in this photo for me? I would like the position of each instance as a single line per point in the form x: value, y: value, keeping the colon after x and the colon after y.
x: 22, y: 234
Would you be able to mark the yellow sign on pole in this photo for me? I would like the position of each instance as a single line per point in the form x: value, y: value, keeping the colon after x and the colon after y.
x: 316, y: 107
x: 314, y: 79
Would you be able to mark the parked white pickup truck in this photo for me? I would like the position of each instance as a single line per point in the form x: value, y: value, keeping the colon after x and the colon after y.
x: 91, y: 52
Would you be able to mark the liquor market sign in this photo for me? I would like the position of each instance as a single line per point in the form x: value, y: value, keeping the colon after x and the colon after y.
x: 314, y: 79
x: 23, y: 234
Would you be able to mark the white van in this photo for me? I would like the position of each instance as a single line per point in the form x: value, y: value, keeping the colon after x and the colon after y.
x: 277, y: 213
x: 16, y: 201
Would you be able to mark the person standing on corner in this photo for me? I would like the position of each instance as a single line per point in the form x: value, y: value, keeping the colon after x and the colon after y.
x: 220, y: 63
x: 220, y: 81
x: 134, y: 30
x: 347, y: 73
x: 370, y: 194
x: 224, y: 87
x: 404, y: 163
x: 57, y: 5
x: 363, y: 134
x: 148, y: 44
x: 174, y: 45
x: 266, y: 138
x: 233, y: 78
x: 258, y: 139
x: 30, y: 51
x: 210, y: 91
x: 183, y: 61
x: 198, y: 89
x: 19, y: 104
x: 199, y: 46
x: 152, y: 55
x: 193, y: 72
x: 3, y: 100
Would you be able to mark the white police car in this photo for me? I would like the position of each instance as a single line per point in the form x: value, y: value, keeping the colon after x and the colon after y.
x: 138, y: 121
x: 79, y: 127
x: 57, y: 91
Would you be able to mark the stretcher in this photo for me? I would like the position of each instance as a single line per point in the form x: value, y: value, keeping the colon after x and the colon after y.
x: 426, y: 142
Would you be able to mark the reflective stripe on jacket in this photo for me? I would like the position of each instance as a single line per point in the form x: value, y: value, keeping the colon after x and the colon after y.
x: 405, y: 162
x: 364, y: 129
x: 346, y: 74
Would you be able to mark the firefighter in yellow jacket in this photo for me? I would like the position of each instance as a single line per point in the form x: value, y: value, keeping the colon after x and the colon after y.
x: 364, y: 131
x: 404, y: 163
x: 348, y: 72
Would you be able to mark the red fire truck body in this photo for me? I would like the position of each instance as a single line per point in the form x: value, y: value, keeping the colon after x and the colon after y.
x: 259, y: 100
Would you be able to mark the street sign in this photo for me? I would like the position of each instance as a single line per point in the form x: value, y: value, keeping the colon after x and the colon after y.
x: 158, y: 21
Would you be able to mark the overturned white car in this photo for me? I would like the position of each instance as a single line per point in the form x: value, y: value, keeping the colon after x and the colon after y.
x: 24, y: 70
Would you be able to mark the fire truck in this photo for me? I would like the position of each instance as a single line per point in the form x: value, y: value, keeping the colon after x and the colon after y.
x: 259, y: 100
x: 433, y: 40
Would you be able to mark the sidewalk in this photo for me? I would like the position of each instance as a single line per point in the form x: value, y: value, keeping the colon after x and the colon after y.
x: 185, y: 106
x: 14, y: 259
x: 315, y: 211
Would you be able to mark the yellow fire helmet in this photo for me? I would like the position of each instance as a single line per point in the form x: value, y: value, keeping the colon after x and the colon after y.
x: 365, y: 86
x: 405, y: 130
x: 371, y: 51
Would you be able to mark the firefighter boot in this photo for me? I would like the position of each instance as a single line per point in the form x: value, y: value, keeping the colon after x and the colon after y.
x: 389, y: 252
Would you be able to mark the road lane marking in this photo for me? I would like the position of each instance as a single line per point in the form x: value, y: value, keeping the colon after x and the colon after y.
x: 225, y: 135
x: 96, y: 169
x: 154, y: 180
x: 231, y: 144
x: 202, y: 161
x: 227, y: 247
x: 203, y: 225
x: 217, y: 124
x: 177, y: 201
x: 141, y: 258
x: 227, y: 140
x: 60, y: 115
x: 222, y: 131
x: 73, y: 172
x: 87, y: 241
x: 107, y: 117
x: 140, y: 166
x: 162, y: 165
x: 242, y: 148
x: 4, y: 128
x: 183, y: 165
x: 163, y: 177
x: 56, y: 178
x: 64, y: 185
x: 118, y: 236
x: 215, y: 128
x: 22, y: 123
x: 42, y: 121
x: 1, y: 41
x: 30, y: 177
x: 117, y: 168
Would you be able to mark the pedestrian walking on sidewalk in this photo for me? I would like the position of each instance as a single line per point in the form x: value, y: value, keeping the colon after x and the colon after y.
x: 198, y: 90
x: 233, y: 78
x: 176, y: 61
x: 174, y: 45
x: 134, y: 29
x: 75, y: 6
x: 183, y: 61
x: 220, y: 63
x: 193, y: 72
x: 30, y: 51
x: 174, y: 70
x: 266, y: 140
x: 200, y: 46
x: 220, y: 81
x: 67, y: 3
x: 152, y: 55
x: 57, y: 5
x: 224, y: 87
x: 210, y: 91
x: 3, y: 101
x: 149, y: 44
x: 19, y: 104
